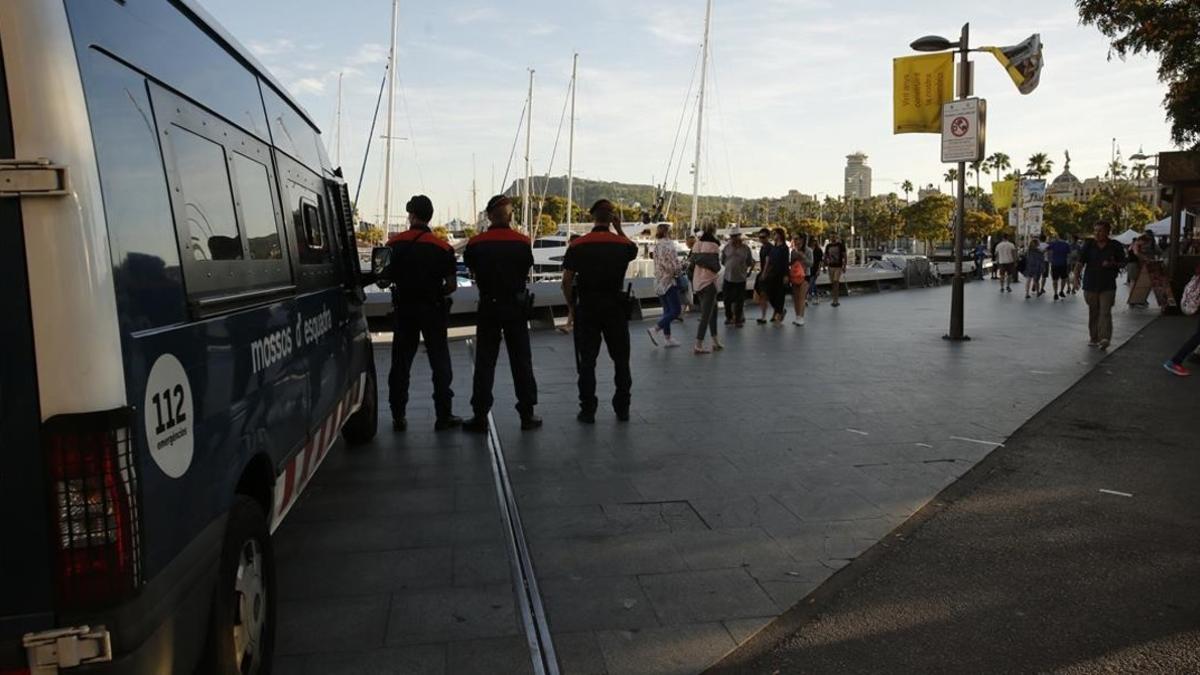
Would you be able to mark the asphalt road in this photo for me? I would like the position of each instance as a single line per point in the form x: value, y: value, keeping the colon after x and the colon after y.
x: 1075, y: 548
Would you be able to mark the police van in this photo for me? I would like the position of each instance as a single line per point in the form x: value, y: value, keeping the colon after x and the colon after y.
x: 182, y: 337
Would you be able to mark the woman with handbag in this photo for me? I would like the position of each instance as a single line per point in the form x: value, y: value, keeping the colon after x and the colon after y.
x: 706, y: 255
x: 775, y: 273
x: 801, y: 263
x: 668, y: 274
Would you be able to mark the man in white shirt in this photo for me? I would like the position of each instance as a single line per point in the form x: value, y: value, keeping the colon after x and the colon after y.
x: 1006, y: 259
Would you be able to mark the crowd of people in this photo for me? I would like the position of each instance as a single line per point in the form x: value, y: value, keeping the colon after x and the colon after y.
x: 730, y: 270
x: 422, y: 272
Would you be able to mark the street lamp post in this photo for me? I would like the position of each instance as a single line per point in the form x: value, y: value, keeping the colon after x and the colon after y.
x: 933, y: 43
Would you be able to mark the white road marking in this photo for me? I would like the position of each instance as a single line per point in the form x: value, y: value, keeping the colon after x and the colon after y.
x: 972, y: 440
x: 923, y: 445
x: 1114, y: 492
x: 1041, y: 372
x: 860, y: 433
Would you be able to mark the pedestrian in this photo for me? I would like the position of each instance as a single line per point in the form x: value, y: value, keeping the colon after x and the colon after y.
x: 1072, y: 261
x: 818, y: 254
x: 775, y: 274
x: 760, y: 287
x: 706, y: 255
x: 1060, y: 252
x: 593, y: 278
x: 689, y: 268
x: 1100, y: 260
x: 1034, y: 259
x: 500, y: 260
x: 980, y: 254
x: 835, y: 261
x: 801, y: 263
x: 423, y: 274
x: 668, y: 271
x: 1174, y: 365
x: 995, y: 264
x: 1006, y: 260
x: 1135, y: 261
x: 738, y: 260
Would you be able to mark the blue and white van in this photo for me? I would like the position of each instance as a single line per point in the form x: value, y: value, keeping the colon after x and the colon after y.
x: 182, y: 337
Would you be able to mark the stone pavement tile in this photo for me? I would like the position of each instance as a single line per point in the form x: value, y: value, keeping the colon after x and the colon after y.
x: 579, y: 654
x: 481, y: 564
x: 804, y: 541
x: 385, y: 534
x: 440, y: 614
x: 671, y: 650
x: 788, y: 584
x: 493, y: 655
x: 327, y: 503
x: 681, y: 485
x: 569, y: 521
x: 709, y: 595
x: 845, y: 540
x: 414, y: 660
x: 717, y: 549
x: 825, y: 504
x: 597, y: 603
x: 289, y: 665
x: 475, y: 497
x: 729, y: 512
x: 369, y: 573
x: 743, y: 629
x: 668, y: 516
x: 575, y: 493
x: 616, y: 555
x: 331, y: 624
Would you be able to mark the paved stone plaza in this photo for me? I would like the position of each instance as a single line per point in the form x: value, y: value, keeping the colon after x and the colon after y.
x: 744, y: 480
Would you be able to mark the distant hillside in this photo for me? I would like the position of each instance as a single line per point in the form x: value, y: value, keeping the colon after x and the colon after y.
x: 627, y: 195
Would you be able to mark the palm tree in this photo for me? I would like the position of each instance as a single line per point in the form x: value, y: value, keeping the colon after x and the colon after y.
x: 1116, y: 170
x: 999, y: 162
x: 951, y: 177
x: 1039, y: 164
x: 906, y: 187
x: 1140, y: 172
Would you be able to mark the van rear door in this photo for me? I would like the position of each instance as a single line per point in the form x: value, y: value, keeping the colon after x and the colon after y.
x: 26, y: 594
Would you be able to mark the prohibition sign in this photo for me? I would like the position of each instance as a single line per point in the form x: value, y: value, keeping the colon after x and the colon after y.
x: 960, y: 126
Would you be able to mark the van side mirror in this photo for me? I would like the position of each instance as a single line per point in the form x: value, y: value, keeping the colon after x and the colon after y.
x: 381, y: 257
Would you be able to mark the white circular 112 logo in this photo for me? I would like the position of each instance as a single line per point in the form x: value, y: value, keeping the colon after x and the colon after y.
x: 169, y: 416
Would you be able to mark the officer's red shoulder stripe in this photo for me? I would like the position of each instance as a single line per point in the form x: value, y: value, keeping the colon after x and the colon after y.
x: 600, y: 238
x: 412, y: 235
x: 499, y: 234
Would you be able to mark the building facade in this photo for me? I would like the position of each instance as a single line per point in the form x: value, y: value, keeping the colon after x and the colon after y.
x: 858, y: 177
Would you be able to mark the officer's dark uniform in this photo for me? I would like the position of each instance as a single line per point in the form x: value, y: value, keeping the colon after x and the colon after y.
x: 421, y: 267
x: 500, y: 260
x: 599, y: 261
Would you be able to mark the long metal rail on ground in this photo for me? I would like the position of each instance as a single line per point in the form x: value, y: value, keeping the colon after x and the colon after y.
x: 530, y: 611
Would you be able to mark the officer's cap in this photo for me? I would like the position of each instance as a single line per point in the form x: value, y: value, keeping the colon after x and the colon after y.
x: 421, y: 207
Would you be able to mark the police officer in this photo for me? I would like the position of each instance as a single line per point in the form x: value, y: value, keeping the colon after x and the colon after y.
x: 422, y: 271
x: 593, y: 283
x: 500, y: 260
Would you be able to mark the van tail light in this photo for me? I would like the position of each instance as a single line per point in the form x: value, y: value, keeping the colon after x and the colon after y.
x: 94, y: 507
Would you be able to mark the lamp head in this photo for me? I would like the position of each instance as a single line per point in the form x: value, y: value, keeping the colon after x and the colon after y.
x: 932, y: 43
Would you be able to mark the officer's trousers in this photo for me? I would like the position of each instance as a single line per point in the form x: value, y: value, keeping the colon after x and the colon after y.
x: 520, y: 360
x: 411, y: 323
x: 607, y: 320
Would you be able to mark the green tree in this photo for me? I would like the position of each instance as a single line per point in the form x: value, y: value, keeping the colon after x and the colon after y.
x: 1116, y: 169
x: 999, y: 162
x: 372, y: 236
x: 1040, y: 164
x: 441, y: 232
x: 906, y: 187
x: 814, y: 227
x: 979, y: 225
x: 547, y: 225
x: 951, y: 177
x: 1064, y: 216
x: 469, y: 232
x: 928, y: 219
x: 1119, y: 203
x: 1167, y: 28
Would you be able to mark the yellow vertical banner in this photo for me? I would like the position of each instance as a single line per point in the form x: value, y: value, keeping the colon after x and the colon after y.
x: 1003, y: 192
x: 920, y: 85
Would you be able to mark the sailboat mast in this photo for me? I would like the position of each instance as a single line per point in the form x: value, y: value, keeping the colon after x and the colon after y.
x: 337, y: 152
x: 526, y: 211
x: 391, y: 112
x: 474, y: 198
x: 700, y: 119
x: 571, y: 148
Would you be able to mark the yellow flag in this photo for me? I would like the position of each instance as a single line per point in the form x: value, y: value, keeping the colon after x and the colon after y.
x: 920, y: 85
x: 1003, y: 192
x: 1023, y: 62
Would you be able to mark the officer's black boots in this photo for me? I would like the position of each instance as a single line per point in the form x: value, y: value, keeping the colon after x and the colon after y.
x: 586, y: 416
x: 623, y: 415
x: 530, y: 422
x: 476, y: 425
x: 447, y: 423
x: 399, y: 424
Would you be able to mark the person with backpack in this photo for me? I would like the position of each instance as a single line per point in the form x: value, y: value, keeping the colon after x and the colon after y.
x: 1190, y: 304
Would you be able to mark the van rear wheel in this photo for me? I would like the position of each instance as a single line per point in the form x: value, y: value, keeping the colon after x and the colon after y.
x: 363, y: 424
x: 242, y: 637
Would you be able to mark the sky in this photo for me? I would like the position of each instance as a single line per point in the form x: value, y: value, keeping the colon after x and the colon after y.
x: 794, y: 86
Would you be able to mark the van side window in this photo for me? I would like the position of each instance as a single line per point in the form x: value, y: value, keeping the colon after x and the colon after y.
x: 312, y: 227
x: 203, y: 171
x: 314, y: 237
x: 258, y: 210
